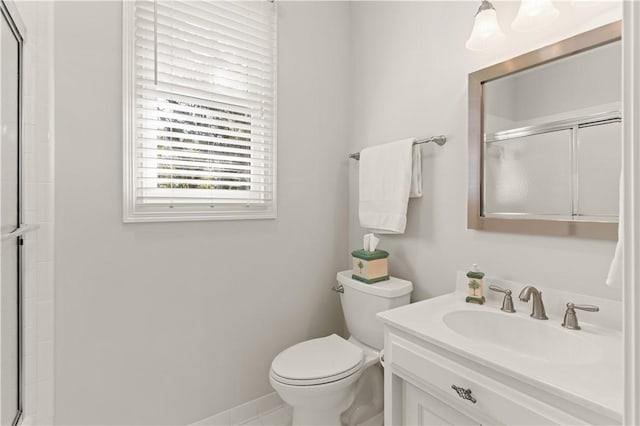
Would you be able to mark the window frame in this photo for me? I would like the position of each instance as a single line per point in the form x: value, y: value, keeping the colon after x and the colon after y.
x: 134, y: 212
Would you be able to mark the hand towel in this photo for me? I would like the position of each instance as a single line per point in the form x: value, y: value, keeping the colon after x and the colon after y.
x: 614, y: 278
x: 416, y: 172
x: 389, y: 174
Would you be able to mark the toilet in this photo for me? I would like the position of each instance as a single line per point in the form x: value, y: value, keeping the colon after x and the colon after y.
x: 333, y: 381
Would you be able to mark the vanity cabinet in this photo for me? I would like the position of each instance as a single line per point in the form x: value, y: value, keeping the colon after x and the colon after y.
x: 421, y: 378
x: 451, y: 362
x: 424, y: 409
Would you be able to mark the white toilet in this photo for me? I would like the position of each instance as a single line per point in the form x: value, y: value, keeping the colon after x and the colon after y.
x: 333, y: 381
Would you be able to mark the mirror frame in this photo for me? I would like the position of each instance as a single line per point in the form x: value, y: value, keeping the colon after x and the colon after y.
x: 590, y: 229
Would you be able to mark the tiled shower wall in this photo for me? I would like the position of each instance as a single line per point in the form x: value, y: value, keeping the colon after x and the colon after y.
x: 38, y: 209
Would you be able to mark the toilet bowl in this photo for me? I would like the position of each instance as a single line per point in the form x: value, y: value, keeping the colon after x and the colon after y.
x: 319, y: 377
x: 333, y: 381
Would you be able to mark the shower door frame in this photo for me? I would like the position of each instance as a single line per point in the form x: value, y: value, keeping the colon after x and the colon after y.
x: 12, y: 18
x: 631, y: 245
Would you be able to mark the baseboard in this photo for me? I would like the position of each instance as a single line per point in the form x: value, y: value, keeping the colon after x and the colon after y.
x: 243, y: 413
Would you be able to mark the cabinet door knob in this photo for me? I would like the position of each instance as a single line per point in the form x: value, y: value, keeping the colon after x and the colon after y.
x: 464, y: 393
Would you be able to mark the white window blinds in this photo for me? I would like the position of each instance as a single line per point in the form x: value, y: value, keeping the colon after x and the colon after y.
x: 199, y: 110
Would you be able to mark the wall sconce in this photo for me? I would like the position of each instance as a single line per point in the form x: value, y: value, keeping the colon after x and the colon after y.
x: 582, y: 3
x: 486, y: 32
x: 534, y: 15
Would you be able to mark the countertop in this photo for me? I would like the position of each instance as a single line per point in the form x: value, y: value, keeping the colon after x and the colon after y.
x: 597, y: 384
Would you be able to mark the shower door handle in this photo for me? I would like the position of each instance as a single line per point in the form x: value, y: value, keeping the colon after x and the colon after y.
x: 21, y: 230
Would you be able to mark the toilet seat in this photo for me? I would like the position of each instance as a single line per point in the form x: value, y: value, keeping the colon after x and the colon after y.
x: 317, y: 361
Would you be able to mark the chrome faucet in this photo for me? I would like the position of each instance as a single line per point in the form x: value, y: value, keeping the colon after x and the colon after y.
x: 538, y: 307
x: 570, y: 318
x: 507, y: 302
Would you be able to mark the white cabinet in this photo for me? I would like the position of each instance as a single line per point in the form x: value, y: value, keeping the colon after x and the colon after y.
x: 447, y: 361
x: 420, y: 389
x: 422, y: 408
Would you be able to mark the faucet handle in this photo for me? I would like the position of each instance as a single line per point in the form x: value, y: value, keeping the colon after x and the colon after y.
x: 507, y: 302
x: 498, y: 289
x: 570, y: 317
x: 588, y: 308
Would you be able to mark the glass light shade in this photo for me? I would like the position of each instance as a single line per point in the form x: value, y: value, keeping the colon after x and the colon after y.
x: 582, y: 3
x: 486, y: 32
x: 534, y: 15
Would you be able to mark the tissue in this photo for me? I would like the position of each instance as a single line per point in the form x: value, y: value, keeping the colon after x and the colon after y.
x: 373, y: 242
x: 370, y: 242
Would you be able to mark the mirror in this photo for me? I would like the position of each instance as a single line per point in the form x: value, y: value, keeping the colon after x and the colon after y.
x: 545, y: 138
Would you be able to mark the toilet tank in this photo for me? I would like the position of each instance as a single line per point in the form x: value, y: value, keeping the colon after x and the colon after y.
x: 361, y: 302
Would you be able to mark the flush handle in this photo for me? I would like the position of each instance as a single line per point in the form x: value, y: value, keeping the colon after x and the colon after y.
x: 338, y: 288
x: 464, y: 393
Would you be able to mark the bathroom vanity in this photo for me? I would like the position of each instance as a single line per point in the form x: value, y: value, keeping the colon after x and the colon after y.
x: 449, y: 362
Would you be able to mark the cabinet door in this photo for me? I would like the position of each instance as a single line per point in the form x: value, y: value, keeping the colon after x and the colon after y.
x: 422, y: 408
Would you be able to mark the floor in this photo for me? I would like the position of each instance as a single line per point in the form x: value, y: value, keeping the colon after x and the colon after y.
x: 280, y: 416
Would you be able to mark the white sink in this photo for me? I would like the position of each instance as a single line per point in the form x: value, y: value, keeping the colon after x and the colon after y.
x: 582, y: 366
x: 527, y: 337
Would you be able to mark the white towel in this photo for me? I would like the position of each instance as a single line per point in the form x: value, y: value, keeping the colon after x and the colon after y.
x: 614, y: 278
x: 389, y: 174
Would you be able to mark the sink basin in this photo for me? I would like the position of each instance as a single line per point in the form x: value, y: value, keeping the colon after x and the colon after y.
x: 526, y: 336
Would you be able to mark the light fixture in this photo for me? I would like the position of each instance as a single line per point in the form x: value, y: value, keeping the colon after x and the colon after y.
x: 486, y: 32
x: 534, y: 15
x: 582, y: 3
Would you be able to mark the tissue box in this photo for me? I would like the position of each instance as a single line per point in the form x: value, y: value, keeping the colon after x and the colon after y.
x: 370, y: 266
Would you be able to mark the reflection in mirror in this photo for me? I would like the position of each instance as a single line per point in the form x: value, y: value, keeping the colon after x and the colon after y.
x: 545, y: 139
x: 528, y: 175
x: 572, y: 87
x: 598, y: 168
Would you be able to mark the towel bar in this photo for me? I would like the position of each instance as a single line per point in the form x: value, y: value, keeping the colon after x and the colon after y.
x: 440, y: 140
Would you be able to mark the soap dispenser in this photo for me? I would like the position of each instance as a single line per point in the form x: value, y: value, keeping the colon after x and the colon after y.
x: 476, y: 286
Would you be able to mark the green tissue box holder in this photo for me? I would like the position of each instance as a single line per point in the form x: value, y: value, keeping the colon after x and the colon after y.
x: 370, y: 266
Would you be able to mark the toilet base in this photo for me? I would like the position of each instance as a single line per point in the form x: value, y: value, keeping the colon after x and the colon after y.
x: 318, y: 404
x: 368, y: 405
x: 377, y: 420
x: 356, y: 400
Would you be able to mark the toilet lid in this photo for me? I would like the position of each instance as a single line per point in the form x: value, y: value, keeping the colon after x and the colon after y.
x: 317, y: 361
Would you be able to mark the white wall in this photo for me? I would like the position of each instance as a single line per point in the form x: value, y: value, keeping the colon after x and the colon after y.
x: 169, y: 323
x: 409, y: 78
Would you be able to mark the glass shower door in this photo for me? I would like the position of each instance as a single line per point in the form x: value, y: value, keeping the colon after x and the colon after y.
x: 10, y: 221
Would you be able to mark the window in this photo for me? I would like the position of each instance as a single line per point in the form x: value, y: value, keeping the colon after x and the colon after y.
x: 199, y: 110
